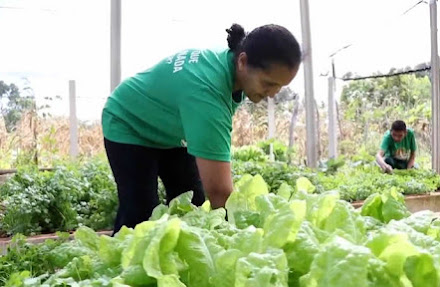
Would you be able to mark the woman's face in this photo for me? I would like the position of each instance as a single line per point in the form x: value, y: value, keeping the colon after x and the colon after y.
x: 258, y: 84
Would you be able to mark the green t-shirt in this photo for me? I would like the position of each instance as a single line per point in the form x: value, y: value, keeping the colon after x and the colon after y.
x: 184, y: 100
x: 399, y: 150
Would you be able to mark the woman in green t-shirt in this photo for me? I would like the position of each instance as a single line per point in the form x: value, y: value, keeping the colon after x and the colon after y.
x: 174, y: 120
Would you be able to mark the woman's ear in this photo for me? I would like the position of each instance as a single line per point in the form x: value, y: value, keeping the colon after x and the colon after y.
x: 242, y: 61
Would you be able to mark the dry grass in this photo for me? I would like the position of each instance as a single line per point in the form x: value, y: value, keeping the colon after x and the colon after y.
x: 50, y: 136
x: 248, y: 130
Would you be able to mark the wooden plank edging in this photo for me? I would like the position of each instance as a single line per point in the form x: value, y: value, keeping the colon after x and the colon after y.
x: 4, y: 242
x: 416, y: 202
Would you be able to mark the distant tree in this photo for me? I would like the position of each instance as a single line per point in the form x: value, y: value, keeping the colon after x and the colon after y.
x: 407, y: 89
x: 398, y: 92
x: 13, y: 104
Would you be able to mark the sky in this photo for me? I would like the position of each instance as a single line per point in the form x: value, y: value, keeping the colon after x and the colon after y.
x: 53, y: 41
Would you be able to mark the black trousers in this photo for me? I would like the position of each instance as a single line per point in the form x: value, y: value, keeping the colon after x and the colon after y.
x: 396, y: 163
x: 136, y: 170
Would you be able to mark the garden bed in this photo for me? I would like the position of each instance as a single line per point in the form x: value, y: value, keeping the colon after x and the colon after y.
x: 327, y: 232
x: 417, y: 202
x: 414, y: 203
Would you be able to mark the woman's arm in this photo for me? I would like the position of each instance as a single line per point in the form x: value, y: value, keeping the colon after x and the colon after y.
x: 412, y: 159
x: 380, y: 161
x: 216, y: 179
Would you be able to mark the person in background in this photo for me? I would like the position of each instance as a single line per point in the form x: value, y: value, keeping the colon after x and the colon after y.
x: 398, y: 148
x: 174, y: 120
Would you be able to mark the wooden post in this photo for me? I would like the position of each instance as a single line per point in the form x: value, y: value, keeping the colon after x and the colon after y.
x: 271, y: 124
x: 332, y: 131
x: 115, y: 44
x: 73, y: 121
x: 311, y: 149
x: 435, y: 78
x: 293, y: 120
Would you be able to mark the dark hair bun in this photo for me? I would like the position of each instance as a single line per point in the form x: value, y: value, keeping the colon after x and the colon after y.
x: 235, y: 35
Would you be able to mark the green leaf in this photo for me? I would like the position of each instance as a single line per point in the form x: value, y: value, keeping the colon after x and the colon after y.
x: 378, y: 275
x: 349, y: 224
x: 279, y: 219
x: 16, y: 279
x: 205, y: 219
x: 421, y: 220
x: 206, y: 206
x: 248, y: 240
x: 246, y: 218
x: 394, y: 209
x: 393, y: 248
x: 135, y: 275
x: 303, y: 184
x: 124, y: 233
x: 319, y: 207
x: 199, y: 250
x: 337, y: 264
x: 386, y: 206
x: 110, y: 250
x: 420, y: 270
x: 88, y: 238
x: 159, y: 211
x: 300, y: 253
x: 262, y: 270
x: 159, y: 257
x: 143, y: 233
x: 181, y: 204
x: 285, y: 191
x: 225, y: 263
x: 169, y: 281
x: 373, y: 207
x: 243, y: 198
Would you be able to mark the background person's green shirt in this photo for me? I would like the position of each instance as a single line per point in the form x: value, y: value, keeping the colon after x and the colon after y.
x: 399, y: 150
x: 184, y: 100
